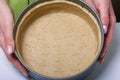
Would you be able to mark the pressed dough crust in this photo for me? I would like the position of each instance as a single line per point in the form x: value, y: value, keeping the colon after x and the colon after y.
x: 60, y: 43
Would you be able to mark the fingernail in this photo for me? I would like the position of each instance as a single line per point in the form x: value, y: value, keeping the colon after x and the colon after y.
x: 105, y: 29
x: 25, y: 74
x: 9, y: 49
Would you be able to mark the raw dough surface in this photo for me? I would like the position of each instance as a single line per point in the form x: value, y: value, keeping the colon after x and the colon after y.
x: 60, y: 44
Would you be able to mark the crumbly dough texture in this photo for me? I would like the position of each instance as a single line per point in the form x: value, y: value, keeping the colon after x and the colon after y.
x: 60, y: 43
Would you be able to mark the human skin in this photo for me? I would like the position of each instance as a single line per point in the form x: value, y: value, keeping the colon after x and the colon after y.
x: 106, y: 13
x: 103, y: 7
x: 6, y: 35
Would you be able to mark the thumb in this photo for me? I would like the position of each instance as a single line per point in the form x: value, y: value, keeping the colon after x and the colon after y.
x: 7, y: 24
x: 8, y: 34
x: 103, y: 9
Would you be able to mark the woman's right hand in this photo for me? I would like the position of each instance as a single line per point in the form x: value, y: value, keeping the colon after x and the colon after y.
x: 6, y: 35
x: 106, y: 13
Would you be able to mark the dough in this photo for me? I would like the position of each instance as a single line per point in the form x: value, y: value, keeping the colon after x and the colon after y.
x: 61, y: 43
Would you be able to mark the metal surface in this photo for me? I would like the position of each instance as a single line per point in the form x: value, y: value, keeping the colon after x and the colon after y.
x: 37, y: 76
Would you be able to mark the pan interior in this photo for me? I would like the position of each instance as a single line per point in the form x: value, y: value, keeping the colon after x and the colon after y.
x: 58, y: 39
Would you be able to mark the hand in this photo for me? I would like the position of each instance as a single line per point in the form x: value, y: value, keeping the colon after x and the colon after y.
x: 6, y: 35
x: 106, y: 13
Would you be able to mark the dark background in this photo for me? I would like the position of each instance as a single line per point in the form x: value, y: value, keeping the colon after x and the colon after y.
x: 116, y: 6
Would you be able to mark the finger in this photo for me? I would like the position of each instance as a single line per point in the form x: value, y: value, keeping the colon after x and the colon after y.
x: 6, y: 38
x: 109, y: 35
x: 12, y: 58
x: 18, y: 65
x: 7, y: 24
x: 103, y: 9
x: 1, y: 38
x: 90, y: 2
